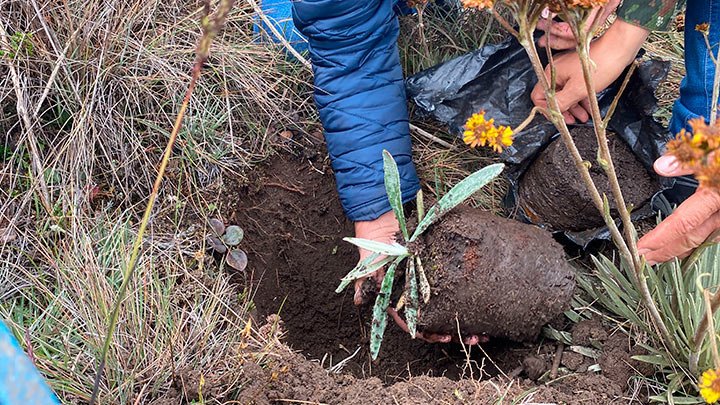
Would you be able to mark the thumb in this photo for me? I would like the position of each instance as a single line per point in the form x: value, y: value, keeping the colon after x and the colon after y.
x: 669, y: 166
x: 571, y: 93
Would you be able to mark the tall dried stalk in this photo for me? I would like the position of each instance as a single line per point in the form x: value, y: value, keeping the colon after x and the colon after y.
x: 211, y: 26
x: 527, y: 14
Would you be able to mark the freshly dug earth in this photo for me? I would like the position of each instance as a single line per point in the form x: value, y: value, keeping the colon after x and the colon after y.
x: 498, y: 277
x: 294, y: 225
x: 552, y: 192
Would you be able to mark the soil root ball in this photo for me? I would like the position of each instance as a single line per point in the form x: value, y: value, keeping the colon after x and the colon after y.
x: 552, y: 192
x: 499, y: 277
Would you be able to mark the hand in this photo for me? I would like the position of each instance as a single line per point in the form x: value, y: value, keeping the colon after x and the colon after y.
x: 436, y: 337
x: 560, y: 34
x: 688, y: 227
x: 612, y: 52
x: 382, y: 229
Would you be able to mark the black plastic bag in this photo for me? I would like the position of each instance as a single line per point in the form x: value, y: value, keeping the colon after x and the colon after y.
x: 499, y: 80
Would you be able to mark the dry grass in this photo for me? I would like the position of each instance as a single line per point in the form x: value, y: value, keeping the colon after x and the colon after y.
x: 85, y: 107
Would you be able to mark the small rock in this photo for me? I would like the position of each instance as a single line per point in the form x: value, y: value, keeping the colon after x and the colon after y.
x: 534, y: 366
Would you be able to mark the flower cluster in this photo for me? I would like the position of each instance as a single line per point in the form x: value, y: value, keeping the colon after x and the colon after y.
x: 699, y: 150
x: 479, y: 131
x: 709, y: 385
x: 552, y: 4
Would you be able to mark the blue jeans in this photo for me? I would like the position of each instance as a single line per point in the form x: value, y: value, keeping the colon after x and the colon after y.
x: 696, y: 88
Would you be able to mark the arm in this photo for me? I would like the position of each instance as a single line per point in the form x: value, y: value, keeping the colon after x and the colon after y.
x: 612, y: 53
x: 360, y: 95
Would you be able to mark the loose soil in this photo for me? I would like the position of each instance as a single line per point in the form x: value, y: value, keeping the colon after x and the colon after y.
x: 552, y: 192
x: 294, y: 227
x: 498, y: 277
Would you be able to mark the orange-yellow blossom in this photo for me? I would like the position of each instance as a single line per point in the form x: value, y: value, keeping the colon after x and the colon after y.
x: 709, y: 385
x: 479, y: 131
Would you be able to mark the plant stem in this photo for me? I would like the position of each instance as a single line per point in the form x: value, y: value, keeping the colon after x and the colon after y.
x: 711, y: 328
x: 629, y: 242
x: 556, y: 118
x: 713, y: 303
x: 421, y: 27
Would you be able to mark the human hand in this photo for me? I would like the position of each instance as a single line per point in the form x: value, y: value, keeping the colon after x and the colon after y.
x: 559, y: 33
x: 688, y: 227
x: 436, y: 337
x: 611, y: 53
x: 382, y: 229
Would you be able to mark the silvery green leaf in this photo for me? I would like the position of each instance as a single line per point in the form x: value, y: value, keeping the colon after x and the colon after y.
x: 237, y: 259
x: 458, y: 194
x: 377, y: 330
x: 369, y: 269
x: 233, y: 235
x: 394, y: 192
x: 422, y: 278
x: 349, y: 277
x: 217, y: 226
x: 411, y: 305
x: 378, y: 247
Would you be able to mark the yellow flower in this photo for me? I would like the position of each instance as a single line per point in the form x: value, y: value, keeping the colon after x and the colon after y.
x: 710, y: 386
x: 481, y: 4
x: 703, y: 28
x: 479, y: 131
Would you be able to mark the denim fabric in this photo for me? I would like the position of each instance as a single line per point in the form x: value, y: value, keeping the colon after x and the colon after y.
x: 696, y: 88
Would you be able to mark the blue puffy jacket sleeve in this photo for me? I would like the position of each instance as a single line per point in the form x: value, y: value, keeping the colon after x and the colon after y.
x: 360, y: 94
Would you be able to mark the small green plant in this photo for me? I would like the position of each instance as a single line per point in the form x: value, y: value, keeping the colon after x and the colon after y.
x: 225, y: 240
x: 19, y: 42
x: 392, y: 255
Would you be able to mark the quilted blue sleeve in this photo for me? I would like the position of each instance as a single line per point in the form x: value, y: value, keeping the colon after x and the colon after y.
x: 360, y: 94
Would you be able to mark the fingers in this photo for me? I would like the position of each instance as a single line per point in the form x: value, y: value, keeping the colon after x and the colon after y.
x: 433, y: 337
x: 684, y: 245
x: 359, y: 298
x: 579, y: 113
x: 678, y: 232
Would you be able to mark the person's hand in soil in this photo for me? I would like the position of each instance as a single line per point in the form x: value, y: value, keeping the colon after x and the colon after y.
x: 611, y: 53
x: 688, y: 227
x: 560, y: 34
x: 436, y: 337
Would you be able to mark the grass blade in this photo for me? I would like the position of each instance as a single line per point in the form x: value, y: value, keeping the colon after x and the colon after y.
x: 394, y: 192
x: 458, y: 194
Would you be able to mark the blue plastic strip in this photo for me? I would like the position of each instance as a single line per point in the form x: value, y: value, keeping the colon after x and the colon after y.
x: 20, y: 382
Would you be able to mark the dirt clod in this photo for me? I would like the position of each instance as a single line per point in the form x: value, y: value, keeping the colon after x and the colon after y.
x: 552, y: 192
x: 498, y: 277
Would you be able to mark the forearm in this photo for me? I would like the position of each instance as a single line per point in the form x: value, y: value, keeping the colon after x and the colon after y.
x: 360, y: 95
x: 621, y: 42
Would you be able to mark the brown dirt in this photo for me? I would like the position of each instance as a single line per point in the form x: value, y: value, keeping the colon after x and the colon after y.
x: 552, y: 192
x: 500, y: 277
x: 293, y: 226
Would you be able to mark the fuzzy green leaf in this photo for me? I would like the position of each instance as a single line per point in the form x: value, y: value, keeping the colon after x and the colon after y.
x: 369, y: 269
x: 411, y: 291
x: 377, y: 330
x: 394, y: 192
x: 360, y: 266
x: 378, y: 247
x: 233, y: 235
x: 458, y: 194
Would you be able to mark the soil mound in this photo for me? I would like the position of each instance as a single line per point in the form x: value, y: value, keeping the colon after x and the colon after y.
x: 552, y: 192
x: 497, y: 276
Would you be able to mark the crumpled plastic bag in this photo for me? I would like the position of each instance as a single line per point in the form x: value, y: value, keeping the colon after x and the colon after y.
x: 499, y: 79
